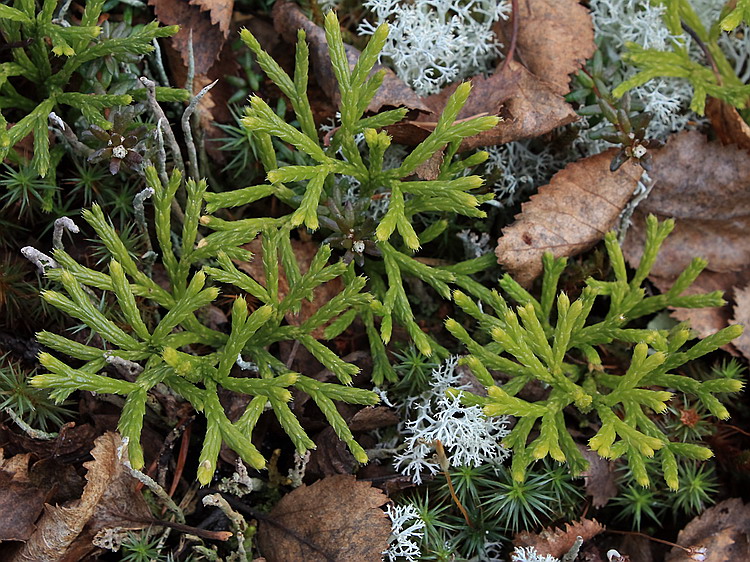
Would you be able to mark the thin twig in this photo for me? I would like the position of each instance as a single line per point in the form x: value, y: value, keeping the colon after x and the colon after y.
x: 192, y: 154
x: 662, y: 541
x: 197, y: 531
x: 69, y: 136
x: 444, y: 466
x: 238, y: 522
x: 27, y: 429
x: 156, y: 489
x: 709, y: 57
x: 167, y: 448
x: 159, y: 114
x: 514, y: 15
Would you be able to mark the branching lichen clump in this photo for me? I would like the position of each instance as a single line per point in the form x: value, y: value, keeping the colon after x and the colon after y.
x: 554, y: 341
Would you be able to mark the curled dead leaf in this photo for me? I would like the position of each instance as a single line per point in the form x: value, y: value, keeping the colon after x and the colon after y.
x: 567, y: 216
x: 723, y: 530
x: 337, y: 518
x: 208, y: 20
x: 64, y: 533
x: 557, y: 542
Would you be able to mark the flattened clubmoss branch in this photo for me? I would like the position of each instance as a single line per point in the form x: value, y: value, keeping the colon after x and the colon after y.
x: 160, y: 349
x: 528, y: 345
x: 80, y: 45
x: 310, y: 188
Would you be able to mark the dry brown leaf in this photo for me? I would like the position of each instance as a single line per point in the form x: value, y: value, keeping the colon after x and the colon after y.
x: 742, y: 316
x: 729, y: 125
x: 109, y: 500
x: 207, y: 19
x: 21, y: 502
x: 220, y: 12
x: 568, y: 216
x: 706, y: 321
x: 555, y: 38
x: 373, y: 417
x: 337, y: 518
x: 557, y: 542
x: 527, y: 105
x: 599, y: 478
x: 705, y: 187
x: 288, y: 18
x: 304, y: 252
x: 724, y: 530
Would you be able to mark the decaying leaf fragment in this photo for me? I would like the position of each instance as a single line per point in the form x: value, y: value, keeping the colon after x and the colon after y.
x: 705, y: 187
x: 555, y: 38
x: 21, y: 501
x: 337, y: 518
x: 599, y: 478
x: 723, y: 530
x: 207, y: 19
x: 527, y: 105
x: 557, y: 542
x: 729, y: 125
x: 568, y: 216
x: 64, y: 533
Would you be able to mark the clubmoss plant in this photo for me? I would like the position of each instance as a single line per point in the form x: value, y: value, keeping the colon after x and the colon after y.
x: 38, y: 38
x: 168, y: 344
x: 308, y: 188
x: 557, y: 346
x: 716, y: 77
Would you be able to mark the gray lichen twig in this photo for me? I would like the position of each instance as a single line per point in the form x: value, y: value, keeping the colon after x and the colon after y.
x: 41, y: 260
x: 30, y: 431
x: 645, y: 185
x: 159, y: 114
x: 62, y: 224
x: 63, y: 129
x: 149, y: 482
x: 140, y: 215
x: 192, y: 155
x: 238, y: 522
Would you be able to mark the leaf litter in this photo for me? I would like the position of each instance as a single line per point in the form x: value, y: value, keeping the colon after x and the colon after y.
x: 337, y: 518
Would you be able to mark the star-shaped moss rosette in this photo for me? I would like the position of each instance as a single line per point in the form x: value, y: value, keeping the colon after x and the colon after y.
x: 353, y: 230
x: 120, y: 143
